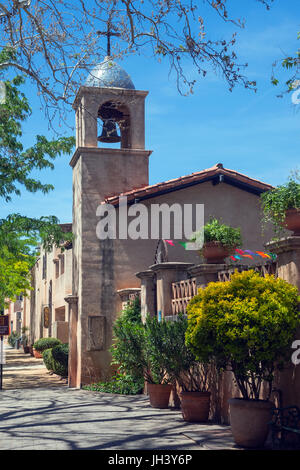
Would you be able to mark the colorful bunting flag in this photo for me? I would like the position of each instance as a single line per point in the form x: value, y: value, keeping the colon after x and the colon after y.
x: 241, y: 253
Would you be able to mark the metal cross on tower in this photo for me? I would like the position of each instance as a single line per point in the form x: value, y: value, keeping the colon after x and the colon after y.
x: 109, y: 32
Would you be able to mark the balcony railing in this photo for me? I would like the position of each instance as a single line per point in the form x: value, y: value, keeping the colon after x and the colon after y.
x: 182, y: 293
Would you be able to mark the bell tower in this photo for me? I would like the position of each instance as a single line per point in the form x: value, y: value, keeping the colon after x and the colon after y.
x: 109, y: 110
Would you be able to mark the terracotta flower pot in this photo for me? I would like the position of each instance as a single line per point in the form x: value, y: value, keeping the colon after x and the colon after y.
x: 159, y: 395
x: 195, y: 406
x: 37, y: 354
x: 249, y: 421
x: 292, y: 221
x: 215, y: 252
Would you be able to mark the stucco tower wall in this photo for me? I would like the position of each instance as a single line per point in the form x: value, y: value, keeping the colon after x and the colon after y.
x: 98, y: 173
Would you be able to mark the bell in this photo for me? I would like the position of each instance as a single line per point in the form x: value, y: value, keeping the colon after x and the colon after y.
x: 109, y: 132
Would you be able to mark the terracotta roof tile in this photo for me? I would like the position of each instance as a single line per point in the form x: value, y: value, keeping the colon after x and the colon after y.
x: 194, y: 178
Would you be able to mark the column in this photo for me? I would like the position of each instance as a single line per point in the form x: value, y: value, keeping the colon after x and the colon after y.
x: 148, y: 293
x: 205, y: 273
x: 74, y: 363
x: 166, y: 273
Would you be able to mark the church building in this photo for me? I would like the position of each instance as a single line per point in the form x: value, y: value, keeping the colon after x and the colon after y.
x: 99, y: 275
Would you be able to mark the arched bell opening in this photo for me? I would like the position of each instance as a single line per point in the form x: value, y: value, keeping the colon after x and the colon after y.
x: 115, y: 124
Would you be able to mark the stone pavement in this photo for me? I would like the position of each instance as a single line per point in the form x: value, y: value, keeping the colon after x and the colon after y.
x: 39, y: 412
x: 24, y: 371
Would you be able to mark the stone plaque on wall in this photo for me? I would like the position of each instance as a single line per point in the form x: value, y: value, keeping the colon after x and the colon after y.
x: 96, y: 333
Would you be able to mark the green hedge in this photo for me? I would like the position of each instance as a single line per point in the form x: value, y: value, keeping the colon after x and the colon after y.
x: 56, y: 359
x: 45, y: 343
x: 48, y: 359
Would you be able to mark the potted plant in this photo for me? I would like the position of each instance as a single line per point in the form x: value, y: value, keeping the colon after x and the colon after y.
x: 281, y: 206
x: 42, y: 344
x: 247, y: 325
x: 191, y: 377
x: 24, y: 340
x: 156, y: 352
x: 220, y: 240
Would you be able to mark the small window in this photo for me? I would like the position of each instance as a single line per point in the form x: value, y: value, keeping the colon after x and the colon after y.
x: 44, y: 266
x: 62, y: 264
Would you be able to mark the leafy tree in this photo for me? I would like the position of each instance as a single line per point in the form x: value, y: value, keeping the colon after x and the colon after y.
x: 14, y: 275
x: 291, y: 64
x: 57, y: 42
x: 19, y: 235
x: 247, y: 324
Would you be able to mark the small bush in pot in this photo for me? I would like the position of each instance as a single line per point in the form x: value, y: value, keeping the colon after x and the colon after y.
x: 220, y: 240
x: 24, y: 339
x: 12, y: 338
x: 246, y: 325
x: 156, y: 341
x: 281, y: 206
x: 45, y: 343
x: 192, y: 377
x: 42, y: 344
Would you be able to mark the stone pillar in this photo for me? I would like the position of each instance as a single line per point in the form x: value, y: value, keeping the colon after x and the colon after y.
x: 288, y: 265
x: 74, y: 360
x: 205, y: 273
x: 148, y: 301
x: 288, y: 258
x: 166, y: 273
x: 128, y: 295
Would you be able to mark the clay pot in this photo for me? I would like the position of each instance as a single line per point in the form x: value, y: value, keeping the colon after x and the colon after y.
x: 249, y: 421
x: 159, y: 395
x: 215, y: 252
x: 37, y: 354
x: 195, y: 406
x: 292, y: 221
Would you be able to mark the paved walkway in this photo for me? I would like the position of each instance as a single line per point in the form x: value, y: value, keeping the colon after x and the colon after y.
x: 24, y: 371
x: 38, y: 411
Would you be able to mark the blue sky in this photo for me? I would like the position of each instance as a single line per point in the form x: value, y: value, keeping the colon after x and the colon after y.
x: 255, y: 134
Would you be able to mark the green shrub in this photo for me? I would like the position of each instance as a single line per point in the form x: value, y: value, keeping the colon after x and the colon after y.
x: 276, y: 201
x: 56, y: 359
x: 180, y: 362
x: 127, y: 350
x: 60, y: 356
x: 120, y: 384
x: 46, y: 343
x: 12, y: 338
x: 247, y: 324
x: 215, y: 231
x: 48, y: 359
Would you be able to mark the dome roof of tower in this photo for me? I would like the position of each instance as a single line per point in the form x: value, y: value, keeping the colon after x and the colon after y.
x: 108, y: 74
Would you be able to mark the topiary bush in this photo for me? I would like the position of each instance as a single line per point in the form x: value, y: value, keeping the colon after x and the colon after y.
x: 56, y: 359
x: 48, y: 359
x: 247, y: 324
x: 45, y: 343
x: 60, y: 356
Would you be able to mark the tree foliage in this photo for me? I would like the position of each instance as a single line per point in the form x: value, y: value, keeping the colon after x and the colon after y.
x: 19, y: 235
x: 55, y: 43
x: 291, y: 65
x: 247, y: 324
